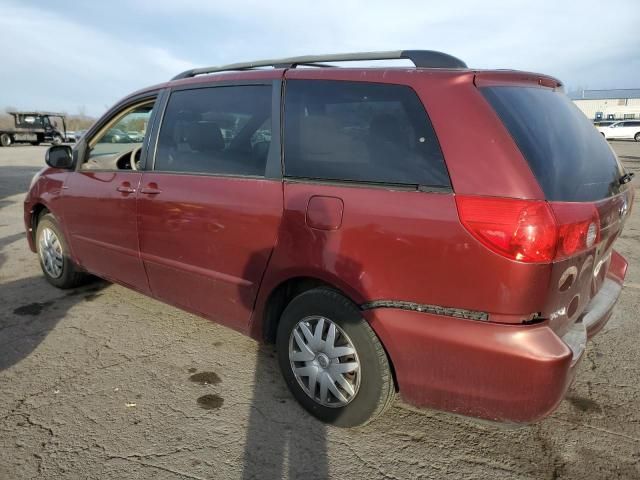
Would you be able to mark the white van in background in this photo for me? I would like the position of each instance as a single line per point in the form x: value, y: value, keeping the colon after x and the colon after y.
x: 626, y: 129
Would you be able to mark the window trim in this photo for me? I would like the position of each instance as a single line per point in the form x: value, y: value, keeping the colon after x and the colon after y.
x: 404, y: 187
x: 364, y: 183
x: 82, y: 150
x: 273, y: 165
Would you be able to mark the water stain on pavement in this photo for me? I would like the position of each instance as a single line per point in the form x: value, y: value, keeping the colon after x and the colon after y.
x: 210, y: 401
x: 205, y: 378
x: 584, y: 404
x: 32, y: 309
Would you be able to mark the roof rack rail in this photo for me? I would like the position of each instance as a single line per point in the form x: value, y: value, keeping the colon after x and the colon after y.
x: 420, y: 58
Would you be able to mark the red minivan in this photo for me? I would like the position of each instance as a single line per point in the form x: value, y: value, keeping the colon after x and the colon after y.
x: 437, y: 231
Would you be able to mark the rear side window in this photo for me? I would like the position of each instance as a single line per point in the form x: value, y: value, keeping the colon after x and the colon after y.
x: 217, y: 130
x: 362, y: 132
x: 570, y: 159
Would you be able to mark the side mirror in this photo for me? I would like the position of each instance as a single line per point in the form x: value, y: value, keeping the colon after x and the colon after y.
x: 59, y: 156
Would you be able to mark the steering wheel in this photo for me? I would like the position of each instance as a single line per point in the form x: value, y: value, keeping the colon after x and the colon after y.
x: 132, y: 160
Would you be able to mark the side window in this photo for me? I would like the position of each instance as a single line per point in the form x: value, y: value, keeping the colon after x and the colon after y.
x: 216, y: 130
x: 358, y: 131
x: 113, y: 146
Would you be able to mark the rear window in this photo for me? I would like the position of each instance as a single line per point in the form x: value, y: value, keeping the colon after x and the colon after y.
x: 362, y: 132
x: 571, y: 160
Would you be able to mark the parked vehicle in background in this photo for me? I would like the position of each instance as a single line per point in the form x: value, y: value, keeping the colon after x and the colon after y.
x: 604, y: 123
x: 623, y: 130
x: 70, y: 137
x: 442, y: 231
x: 35, y: 128
x: 115, y: 135
x: 79, y: 134
x: 135, y: 136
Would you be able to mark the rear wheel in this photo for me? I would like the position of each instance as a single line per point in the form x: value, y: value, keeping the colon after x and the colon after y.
x: 332, y: 361
x: 57, y: 266
x: 5, y: 140
x: 35, y: 144
x: 637, y: 137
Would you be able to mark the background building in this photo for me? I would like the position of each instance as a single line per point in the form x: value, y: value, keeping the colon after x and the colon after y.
x: 618, y: 104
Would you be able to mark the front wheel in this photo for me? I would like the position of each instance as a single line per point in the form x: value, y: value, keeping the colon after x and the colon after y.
x: 5, y: 140
x: 332, y: 361
x: 57, y: 266
x: 637, y: 137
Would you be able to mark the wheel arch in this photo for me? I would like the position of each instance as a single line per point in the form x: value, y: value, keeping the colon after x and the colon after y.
x: 265, y: 325
x: 37, y: 212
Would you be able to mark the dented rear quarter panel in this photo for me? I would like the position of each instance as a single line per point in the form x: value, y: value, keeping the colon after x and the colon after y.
x: 400, y: 245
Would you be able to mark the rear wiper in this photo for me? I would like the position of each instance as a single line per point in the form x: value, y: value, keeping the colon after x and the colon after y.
x: 626, y: 178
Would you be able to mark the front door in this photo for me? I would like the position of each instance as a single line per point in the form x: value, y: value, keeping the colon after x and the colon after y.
x: 100, y: 200
x: 208, y: 214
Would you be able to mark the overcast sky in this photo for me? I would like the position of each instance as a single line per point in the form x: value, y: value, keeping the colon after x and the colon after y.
x: 67, y: 55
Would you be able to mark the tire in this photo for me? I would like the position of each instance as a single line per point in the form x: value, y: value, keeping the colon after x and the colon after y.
x: 57, y: 140
x: 636, y: 137
x: 5, y: 140
x: 69, y: 275
x: 371, y: 383
x: 35, y: 144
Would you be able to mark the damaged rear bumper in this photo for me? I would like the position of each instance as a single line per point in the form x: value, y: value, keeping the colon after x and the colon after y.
x: 500, y: 372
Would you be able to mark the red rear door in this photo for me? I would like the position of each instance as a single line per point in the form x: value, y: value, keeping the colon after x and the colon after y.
x: 205, y: 241
x: 208, y: 216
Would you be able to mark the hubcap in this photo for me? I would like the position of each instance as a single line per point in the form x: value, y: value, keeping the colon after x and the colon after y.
x: 50, y: 251
x: 324, y: 361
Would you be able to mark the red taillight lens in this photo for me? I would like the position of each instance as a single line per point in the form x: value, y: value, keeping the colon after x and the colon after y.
x: 578, y: 227
x: 532, y: 231
x: 523, y: 230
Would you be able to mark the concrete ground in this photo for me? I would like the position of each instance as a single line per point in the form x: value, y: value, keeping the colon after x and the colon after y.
x: 102, y: 382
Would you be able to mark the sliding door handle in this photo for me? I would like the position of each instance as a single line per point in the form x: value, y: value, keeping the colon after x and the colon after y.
x: 151, y: 189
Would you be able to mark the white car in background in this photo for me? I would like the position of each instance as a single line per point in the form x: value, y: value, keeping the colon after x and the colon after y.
x: 135, y: 136
x: 625, y: 129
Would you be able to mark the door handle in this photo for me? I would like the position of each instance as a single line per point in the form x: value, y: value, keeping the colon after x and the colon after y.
x: 151, y: 189
x: 126, y: 188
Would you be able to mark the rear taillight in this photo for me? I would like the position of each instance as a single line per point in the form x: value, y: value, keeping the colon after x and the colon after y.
x: 532, y: 231
x: 578, y: 227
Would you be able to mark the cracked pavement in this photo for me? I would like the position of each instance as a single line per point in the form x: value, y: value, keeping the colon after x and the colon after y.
x: 102, y: 382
